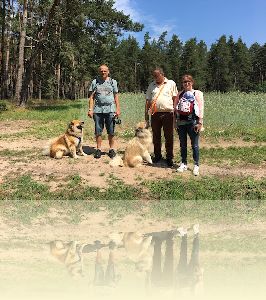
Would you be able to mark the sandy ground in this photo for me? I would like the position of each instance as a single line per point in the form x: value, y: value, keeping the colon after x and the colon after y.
x: 96, y: 172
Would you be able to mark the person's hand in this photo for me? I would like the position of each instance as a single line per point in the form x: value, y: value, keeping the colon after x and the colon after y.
x: 90, y: 113
x: 197, y: 128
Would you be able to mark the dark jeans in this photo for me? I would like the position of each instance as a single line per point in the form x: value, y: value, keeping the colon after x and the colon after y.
x: 183, y: 265
x: 109, y: 276
x: 159, y: 276
x: 187, y: 272
x: 158, y: 121
x: 183, y: 132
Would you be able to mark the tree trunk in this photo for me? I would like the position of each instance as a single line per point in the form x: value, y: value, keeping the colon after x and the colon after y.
x: 7, y: 67
x: 40, y: 81
x: 21, y: 55
x: 3, y: 49
x: 58, y: 79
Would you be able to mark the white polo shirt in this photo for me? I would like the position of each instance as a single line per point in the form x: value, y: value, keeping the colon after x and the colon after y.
x: 164, y: 102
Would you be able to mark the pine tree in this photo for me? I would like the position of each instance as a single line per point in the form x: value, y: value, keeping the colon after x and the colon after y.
x: 174, y: 58
x: 218, y: 66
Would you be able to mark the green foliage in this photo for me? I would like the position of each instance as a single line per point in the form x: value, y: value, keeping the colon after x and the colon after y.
x: 194, y: 61
x: 3, y: 106
x: 207, y: 198
x: 81, y: 35
x: 235, y: 114
x: 227, y: 115
x: 219, y: 66
x: 208, y: 189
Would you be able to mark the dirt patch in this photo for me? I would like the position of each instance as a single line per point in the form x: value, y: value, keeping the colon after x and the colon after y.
x: 98, y: 172
x: 11, y: 127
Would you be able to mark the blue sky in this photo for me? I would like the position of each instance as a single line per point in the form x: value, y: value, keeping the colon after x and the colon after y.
x: 206, y: 20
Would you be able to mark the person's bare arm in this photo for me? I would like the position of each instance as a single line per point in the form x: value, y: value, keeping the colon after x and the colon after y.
x: 91, y: 105
x: 117, y: 103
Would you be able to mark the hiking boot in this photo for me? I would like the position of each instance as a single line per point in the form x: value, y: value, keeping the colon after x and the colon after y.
x: 169, y: 162
x: 182, y: 168
x: 98, y: 153
x: 111, y: 153
x: 156, y: 159
x: 196, y: 170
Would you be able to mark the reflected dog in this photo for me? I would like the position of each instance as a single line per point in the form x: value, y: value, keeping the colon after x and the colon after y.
x: 68, y: 144
x: 70, y: 254
x: 137, y: 150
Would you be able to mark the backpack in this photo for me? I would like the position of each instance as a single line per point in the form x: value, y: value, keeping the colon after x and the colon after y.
x: 186, y: 103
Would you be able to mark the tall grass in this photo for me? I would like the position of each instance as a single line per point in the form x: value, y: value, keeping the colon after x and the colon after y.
x: 228, y: 115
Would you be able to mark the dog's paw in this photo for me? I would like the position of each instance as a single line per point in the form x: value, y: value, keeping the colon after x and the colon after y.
x: 83, y: 154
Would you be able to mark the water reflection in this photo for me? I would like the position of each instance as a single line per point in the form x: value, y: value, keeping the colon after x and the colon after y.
x: 162, y: 257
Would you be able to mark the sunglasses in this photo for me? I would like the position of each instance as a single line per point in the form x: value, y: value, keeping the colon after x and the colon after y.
x: 187, y: 81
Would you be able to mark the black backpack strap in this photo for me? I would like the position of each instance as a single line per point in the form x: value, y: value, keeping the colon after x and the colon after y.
x: 181, y: 94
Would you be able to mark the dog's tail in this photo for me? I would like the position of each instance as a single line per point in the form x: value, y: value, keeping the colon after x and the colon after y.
x: 117, y: 161
x: 46, y: 150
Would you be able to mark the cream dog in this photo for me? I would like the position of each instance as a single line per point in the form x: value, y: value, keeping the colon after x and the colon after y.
x: 137, y: 150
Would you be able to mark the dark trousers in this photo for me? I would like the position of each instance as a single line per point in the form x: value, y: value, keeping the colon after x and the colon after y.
x: 183, y: 265
x: 158, y: 121
x: 183, y: 132
x: 159, y: 276
x: 187, y: 272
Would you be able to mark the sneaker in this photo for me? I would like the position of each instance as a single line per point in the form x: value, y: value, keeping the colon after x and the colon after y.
x: 182, y: 168
x: 181, y: 231
x: 196, y: 170
x: 169, y: 162
x: 196, y: 228
x: 111, y: 153
x: 97, y: 153
x: 156, y: 159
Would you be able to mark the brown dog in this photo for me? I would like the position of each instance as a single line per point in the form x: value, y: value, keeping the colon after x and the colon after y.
x: 68, y: 144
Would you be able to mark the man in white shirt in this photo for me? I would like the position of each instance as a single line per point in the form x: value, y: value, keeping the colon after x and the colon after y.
x: 160, y: 97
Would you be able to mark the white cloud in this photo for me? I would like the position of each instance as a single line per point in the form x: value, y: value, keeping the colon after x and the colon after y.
x: 158, y: 29
x: 155, y: 28
x: 128, y: 7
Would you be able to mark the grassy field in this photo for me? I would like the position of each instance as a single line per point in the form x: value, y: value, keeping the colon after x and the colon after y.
x: 229, y: 117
